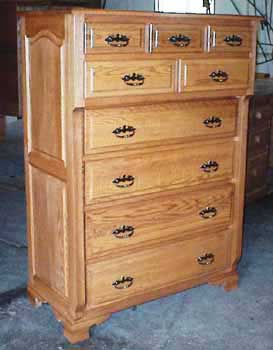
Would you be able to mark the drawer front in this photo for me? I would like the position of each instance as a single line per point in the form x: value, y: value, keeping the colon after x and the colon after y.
x: 258, y: 142
x: 114, y: 38
x: 130, y: 78
x: 230, y: 39
x: 157, y: 171
x: 124, y: 277
x: 178, y: 38
x: 133, y: 125
x: 257, y: 172
x: 128, y: 224
x: 220, y: 74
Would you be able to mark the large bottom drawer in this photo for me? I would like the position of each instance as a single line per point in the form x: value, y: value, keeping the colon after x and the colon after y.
x: 124, y: 225
x: 112, y: 280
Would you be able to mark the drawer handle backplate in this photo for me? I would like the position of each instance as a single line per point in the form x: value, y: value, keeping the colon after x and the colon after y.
x: 208, y: 213
x: 206, y: 259
x: 219, y: 76
x: 124, y: 181
x: 213, y: 122
x: 125, y: 131
x: 133, y: 79
x: 233, y: 40
x: 180, y: 40
x: 118, y: 40
x: 124, y: 232
x: 210, y: 166
x: 123, y: 282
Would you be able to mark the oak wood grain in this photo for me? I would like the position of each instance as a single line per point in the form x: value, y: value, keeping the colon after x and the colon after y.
x: 45, y: 90
x: 154, y: 268
x: 96, y: 33
x: 158, y: 122
x: 106, y: 78
x: 158, y: 219
x: 48, y: 223
x: 220, y: 35
x: 195, y: 74
x: 154, y: 172
x: 74, y: 98
x: 163, y: 34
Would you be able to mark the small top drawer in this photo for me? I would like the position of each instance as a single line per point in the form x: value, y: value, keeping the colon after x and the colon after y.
x: 116, y: 78
x: 214, y: 74
x: 230, y: 39
x: 178, y: 38
x: 114, y: 38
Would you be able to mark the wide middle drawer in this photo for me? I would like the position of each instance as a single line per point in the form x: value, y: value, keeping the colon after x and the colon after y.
x: 154, y: 171
x: 126, y: 224
x: 112, y: 127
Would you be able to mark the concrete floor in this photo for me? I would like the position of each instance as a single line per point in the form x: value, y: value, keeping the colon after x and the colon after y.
x: 201, y: 318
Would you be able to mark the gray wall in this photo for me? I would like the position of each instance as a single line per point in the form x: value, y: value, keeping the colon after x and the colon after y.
x: 141, y: 5
x: 225, y: 6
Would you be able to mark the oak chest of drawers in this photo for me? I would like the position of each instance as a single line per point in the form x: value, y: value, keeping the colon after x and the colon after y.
x: 135, y: 149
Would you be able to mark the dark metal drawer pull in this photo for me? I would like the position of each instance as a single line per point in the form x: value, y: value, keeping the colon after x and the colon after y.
x: 123, y: 282
x: 124, y: 232
x: 233, y: 40
x: 210, y: 166
x: 208, y: 213
x: 133, y: 79
x: 219, y: 76
x: 206, y: 259
x: 180, y: 40
x: 118, y: 40
x: 125, y: 131
x: 213, y: 122
x: 124, y: 181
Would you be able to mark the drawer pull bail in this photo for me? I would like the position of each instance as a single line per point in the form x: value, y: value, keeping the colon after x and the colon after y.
x: 206, y: 259
x: 124, y: 232
x: 123, y: 282
x: 124, y: 181
x: 213, y: 122
x: 125, y: 131
x: 233, y: 40
x: 208, y: 213
x: 180, y: 40
x: 210, y: 166
x: 219, y: 76
x: 133, y: 79
x: 118, y: 40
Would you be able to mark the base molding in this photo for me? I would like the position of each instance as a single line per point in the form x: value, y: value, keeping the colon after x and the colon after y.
x: 228, y: 280
x: 78, y: 330
x: 76, y: 336
x: 35, y: 299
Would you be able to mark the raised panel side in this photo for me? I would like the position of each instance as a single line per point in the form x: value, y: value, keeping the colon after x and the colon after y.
x: 45, y: 91
x: 48, y: 223
x: 43, y: 98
